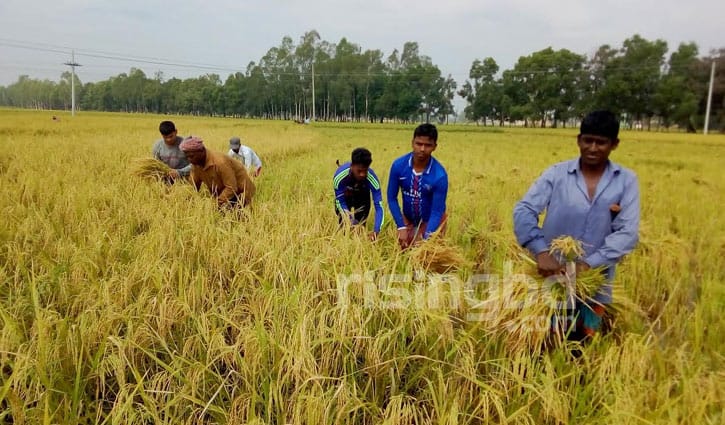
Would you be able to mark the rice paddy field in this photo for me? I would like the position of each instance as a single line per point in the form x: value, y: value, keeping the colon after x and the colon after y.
x: 125, y: 301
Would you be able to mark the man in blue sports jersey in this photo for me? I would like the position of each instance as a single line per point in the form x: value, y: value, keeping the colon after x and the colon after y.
x: 424, y: 184
x: 353, y: 182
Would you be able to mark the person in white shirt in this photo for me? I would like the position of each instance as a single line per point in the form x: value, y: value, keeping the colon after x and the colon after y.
x: 246, y: 155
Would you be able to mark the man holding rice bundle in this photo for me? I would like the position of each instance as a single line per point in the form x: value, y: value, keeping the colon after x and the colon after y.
x: 226, y: 178
x: 591, y: 199
x: 167, y: 151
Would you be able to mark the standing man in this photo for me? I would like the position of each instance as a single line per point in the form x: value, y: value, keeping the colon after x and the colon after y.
x: 424, y: 184
x: 591, y: 199
x: 246, y: 155
x: 353, y: 183
x: 167, y: 151
x: 226, y: 178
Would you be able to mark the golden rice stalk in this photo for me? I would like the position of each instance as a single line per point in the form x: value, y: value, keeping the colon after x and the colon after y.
x: 150, y: 168
x: 517, y: 314
x: 438, y: 256
x: 588, y: 282
x: 567, y: 247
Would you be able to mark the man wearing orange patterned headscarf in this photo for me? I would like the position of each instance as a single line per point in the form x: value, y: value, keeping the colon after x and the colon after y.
x: 226, y: 178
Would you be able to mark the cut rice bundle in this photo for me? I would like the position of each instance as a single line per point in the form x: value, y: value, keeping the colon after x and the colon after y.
x: 438, y: 256
x: 521, y: 310
x: 150, y: 168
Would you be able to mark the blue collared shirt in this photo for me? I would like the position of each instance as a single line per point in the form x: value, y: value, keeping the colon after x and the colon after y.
x: 606, y: 235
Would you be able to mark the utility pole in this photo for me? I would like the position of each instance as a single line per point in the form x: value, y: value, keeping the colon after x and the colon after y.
x: 73, y: 65
x: 313, y: 90
x: 709, y: 98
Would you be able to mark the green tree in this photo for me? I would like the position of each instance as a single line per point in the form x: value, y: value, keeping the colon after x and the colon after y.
x: 675, y: 99
x: 374, y: 80
x: 628, y: 79
x: 235, y: 90
x: 257, y: 100
x: 305, y: 57
x: 482, y: 92
x: 551, y: 80
x: 642, y: 64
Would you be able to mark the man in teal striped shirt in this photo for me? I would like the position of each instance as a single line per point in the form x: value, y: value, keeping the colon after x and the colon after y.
x: 353, y: 183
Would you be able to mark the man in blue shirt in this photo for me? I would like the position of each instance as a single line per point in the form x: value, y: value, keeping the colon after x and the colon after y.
x: 353, y: 183
x: 591, y: 199
x: 424, y: 184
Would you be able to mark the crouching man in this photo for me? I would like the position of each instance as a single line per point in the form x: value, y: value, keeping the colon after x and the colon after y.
x: 226, y: 178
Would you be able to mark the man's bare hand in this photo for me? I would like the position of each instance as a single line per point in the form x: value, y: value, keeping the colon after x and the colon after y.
x: 547, y: 264
x: 403, y: 238
x: 581, y: 267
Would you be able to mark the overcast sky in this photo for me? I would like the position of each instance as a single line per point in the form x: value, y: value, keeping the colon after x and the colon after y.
x: 228, y: 34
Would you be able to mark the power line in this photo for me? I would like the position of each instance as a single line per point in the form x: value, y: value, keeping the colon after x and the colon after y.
x: 180, y: 64
x: 112, y: 56
x: 208, y: 67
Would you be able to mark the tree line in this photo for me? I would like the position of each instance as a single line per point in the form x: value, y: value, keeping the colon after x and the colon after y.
x: 546, y: 88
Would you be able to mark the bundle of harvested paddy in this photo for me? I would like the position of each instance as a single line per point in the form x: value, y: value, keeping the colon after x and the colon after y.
x: 581, y: 285
x: 438, y: 256
x: 584, y: 284
x: 521, y: 310
x: 150, y: 168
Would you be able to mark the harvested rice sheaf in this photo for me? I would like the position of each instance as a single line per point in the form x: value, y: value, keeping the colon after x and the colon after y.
x: 438, y: 256
x: 520, y: 310
x: 582, y: 285
x: 150, y: 168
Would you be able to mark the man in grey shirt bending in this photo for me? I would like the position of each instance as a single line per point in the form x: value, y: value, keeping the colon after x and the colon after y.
x: 167, y: 151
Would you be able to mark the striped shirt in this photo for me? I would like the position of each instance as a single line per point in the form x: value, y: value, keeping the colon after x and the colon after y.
x: 346, y: 187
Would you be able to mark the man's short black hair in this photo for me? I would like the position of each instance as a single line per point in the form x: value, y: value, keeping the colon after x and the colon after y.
x: 361, y: 156
x: 600, y: 123
x: 166, y: 128
x: 426, y: 130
